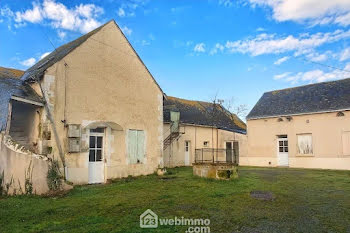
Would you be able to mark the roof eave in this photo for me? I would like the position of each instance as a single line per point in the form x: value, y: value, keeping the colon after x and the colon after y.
x: 298, y: 114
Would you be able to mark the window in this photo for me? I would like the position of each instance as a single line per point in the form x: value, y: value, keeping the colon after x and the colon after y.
x: 304, y: 144
x: 187, y: 146
x: 206, y: 144
x: 283, y: 145
x: 96, y: 145
x: 136, y: 146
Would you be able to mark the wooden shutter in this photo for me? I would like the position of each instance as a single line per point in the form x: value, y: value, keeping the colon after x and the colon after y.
x: 132, y: 146
x: 140, y: 145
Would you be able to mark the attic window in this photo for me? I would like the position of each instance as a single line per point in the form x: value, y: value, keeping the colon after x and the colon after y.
x: 206, y: 143
x: 279, y: 119
x: 340, y: 114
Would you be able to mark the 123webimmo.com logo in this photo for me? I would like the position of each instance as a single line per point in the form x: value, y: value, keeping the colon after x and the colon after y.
x: 149, y: 219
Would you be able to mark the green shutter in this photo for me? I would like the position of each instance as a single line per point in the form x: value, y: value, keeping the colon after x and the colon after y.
x: 140, y: 145
x: 132, y: 146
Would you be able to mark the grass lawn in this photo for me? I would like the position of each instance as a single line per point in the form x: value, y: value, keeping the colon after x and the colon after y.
x: 306, y: 201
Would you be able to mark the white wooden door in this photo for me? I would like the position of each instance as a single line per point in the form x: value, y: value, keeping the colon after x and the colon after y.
x: 187, y: 153
x: 96, y: 160
x: 282, y: 152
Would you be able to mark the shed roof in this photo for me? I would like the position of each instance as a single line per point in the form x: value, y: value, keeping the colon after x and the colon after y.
x: 203, y: 113
x: 11, y: 85
x: 313, y: 98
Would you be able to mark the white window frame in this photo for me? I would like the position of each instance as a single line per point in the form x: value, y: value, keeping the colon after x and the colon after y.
x: 96, y: 135
x: 187, y: 146
x: 299, y: 152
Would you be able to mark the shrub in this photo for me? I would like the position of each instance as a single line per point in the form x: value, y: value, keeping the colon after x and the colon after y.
x: 54, y: 178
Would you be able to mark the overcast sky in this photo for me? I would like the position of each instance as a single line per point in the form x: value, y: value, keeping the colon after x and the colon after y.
x: 196, y: 49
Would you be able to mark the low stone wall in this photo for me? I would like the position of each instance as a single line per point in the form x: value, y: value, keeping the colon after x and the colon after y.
x: 216, y: 171
x: 17, y: 164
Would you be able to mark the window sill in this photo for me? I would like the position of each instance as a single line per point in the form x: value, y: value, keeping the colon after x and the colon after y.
x: 305, y: 155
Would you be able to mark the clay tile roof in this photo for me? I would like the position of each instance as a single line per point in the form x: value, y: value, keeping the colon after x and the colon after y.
x: 201, y: 113
x: 313, y: 98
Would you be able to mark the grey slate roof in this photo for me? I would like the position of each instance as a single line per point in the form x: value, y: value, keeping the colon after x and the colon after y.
x: 58, y: 54
x: 313, y: 98
x: 10, y: 73
x: 11, y: 85
x: 201, y: 113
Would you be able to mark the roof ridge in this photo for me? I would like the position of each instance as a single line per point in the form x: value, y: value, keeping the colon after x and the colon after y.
x: 59, y: 53
x: 190, y: 100
x: 310, y: 84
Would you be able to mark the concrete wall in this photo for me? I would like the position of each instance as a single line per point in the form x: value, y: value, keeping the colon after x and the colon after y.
x: 174, y: 154
x: 327, y: 135
x: 15, y: 161
x: 104, y: 81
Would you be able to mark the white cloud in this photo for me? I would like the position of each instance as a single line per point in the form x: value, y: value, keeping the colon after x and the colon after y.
x: 44, y: 55
x: 127, y: 31
x: 121, y: 12
x: 281, y: 76
x: 31, y: 15
x: 61, y: 34
x: 271, y: 44
x: 281, y: 60
x: 310, y: 11
x: 145, y: 42
x: 313, y: 76
x: 29, y: 62
x: 345, y: 54
x: 260, y: 29
x: 316, y: 57
x: 226, y: 3
x: 218, y: 47
x: 200, y: 48
x: 82, y: 18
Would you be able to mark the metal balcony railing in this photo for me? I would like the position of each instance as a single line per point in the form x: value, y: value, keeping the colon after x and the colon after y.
x: 213, y: 155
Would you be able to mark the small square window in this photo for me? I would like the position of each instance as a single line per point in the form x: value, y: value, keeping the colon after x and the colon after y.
x: 206, y: 143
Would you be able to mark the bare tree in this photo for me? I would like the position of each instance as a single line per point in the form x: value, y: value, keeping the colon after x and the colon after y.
x: 233, y: 107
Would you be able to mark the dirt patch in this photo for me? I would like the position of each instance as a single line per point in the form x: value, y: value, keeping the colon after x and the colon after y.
x: 167, y: 177
x: 262, y: 195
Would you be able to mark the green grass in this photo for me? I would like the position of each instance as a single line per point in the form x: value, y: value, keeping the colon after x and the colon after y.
x: 306, y: 201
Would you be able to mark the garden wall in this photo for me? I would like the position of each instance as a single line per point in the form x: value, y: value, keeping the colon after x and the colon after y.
x: 18, y: 164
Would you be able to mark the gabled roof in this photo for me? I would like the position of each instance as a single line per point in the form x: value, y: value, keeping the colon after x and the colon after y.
x: 62, y: 51
x: 58, y: 54
x: 11, y: 85
x: 203, y: 113
x: 313, y: 98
